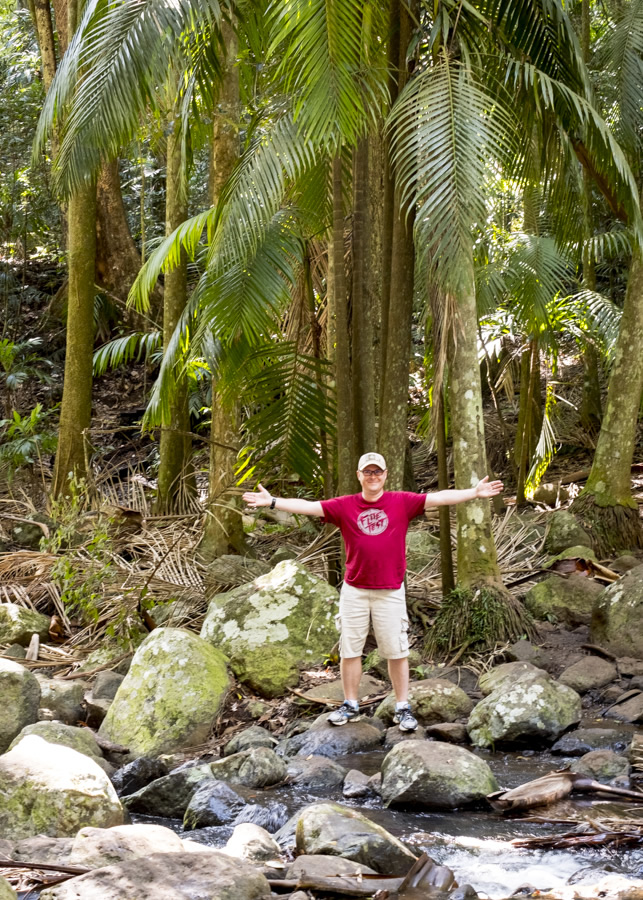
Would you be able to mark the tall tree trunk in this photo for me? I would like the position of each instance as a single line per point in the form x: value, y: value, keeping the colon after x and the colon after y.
x: 363, y: 351
x: 175, y: 443
x: 45, y: 35
x: 477, y: 561
x: 446, y: 555
x: 395, y: 384
x: 606, y: 506
x: 224, y: 526
x: 346, y: 461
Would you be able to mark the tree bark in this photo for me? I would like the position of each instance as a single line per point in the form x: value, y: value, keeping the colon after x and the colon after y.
x: 175, y: 443
x: 45, y: 35
x: 76, y: 408
x: 446, y: 555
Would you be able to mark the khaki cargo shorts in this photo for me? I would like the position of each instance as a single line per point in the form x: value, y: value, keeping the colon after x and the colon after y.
x: 387, y: 609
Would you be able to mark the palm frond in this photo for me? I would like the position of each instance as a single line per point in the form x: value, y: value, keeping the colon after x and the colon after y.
x: 621, y: 54
x: 139, y: 345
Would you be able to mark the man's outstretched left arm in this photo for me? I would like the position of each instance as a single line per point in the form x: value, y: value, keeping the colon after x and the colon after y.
x: 482, y: 491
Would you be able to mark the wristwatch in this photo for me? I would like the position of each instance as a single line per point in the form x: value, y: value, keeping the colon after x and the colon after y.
x: 273, y: 503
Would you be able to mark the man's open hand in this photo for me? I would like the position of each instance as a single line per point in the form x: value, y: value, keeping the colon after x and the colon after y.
x: 256, y: 499
x: 486, y: 488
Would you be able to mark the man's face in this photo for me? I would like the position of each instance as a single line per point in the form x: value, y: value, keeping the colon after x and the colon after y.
x: 372, y: 477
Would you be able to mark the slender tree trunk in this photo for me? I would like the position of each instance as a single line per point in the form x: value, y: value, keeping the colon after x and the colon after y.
x: 76, y: 408
x: 363, y: 351
x: 477, y: 562
x: 224, y: 525
x: 446, y: 555
x: 346, y: 461
x: 45, y: 35
x: 175, y: 443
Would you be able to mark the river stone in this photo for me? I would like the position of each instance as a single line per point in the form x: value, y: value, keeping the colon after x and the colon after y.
x: 53, y: 790
x: 81, y: 740
x: 269, y: 813
x: 628, y: 711
x: 270, y: 627
x: 629, y: 667
x: 20, y: 694
x: 318, y: 865
x: 63, y: 698
x: 335, y: 830
x: 583, y: 740
x: 567, y: 600
x: 601, y: 765
x: 252, y: 842
x: 258, y: 767
x: 564, y: 532
x: 357, y: 784
x: 15, y: 651
x: 170, y: 795
x: 255, y: 736
x: 317, y: 774
x: 213, y: 803
x: 433, y: 700
x: 435, y: 775
x: 18, y: 624
x: 589, y: 674
x: 448, y: 732
x: 617, y: 622
x: 524, y: 651
x: 170, y: 696
x: 324, y: 739
x: 94, y: 848
x: 624, y: 563
x: 422, y: 549
x: 106, y: 685
x: 334, y: 690
x: 44, y: 849
x: 507, y: 674
x: 532, y: 707
x: 208, y: 875
x: 6, y: 891
x: 135, y: 775
x: 394, y: 736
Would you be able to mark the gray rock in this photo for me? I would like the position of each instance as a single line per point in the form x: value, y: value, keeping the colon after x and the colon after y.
x: 81, y: 740
x: 94, y: 848
x: 601, y: 765
x: 377, y: 664
x: 206, y: 875
x: 258, y: 708
x: 357, y: 784
x: 20, y: 694
x: 268, y: 813
x: 617, y: 621
x: 259, y: 767
x: 170, y: 795
x: 448, y: 732
x: 317, y: 774
x: 636, y: 682
x: 319, y: 865
x: 394, y: 736
x: 136, y: 774
x: 18, y: 624
x: 624, y: 563
x: 106, y: 685
x: 255, y: 736
x: 333, y: 690
x: 252, y: 842
x: 568, y: 600
x: 95, y: 710
x: 627, y: 711
x: 324, y: 739
x: 53, y: 790
x: 525, y: 651
x: 532, y: 707
x: 435, y: 775
x: 628, y: 666
x: 109, y: 656
x: 432, y: 700
x: 213, y: 803
x: 335, y: 830
x: 231, y: 571
x: 507, y: 674
x: 172, y: 692
x: 50, y: 850
x: 564, y: 531
x: 588, y: 674
x: 283, y: 553
x: 63, y: 698
x: 584, y: 740
x: 15, y: 651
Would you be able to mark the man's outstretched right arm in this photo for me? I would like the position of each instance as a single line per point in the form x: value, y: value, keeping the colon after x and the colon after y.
x: 257, y: 499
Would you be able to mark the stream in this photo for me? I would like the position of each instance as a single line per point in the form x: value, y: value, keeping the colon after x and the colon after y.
x: 476, y: 843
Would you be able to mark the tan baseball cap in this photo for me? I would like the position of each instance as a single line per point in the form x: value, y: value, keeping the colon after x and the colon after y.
x: 367, y: 459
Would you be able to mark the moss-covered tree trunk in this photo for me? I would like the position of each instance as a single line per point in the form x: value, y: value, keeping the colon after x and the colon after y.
x: 606, y: 506
x: 76, y: 407
x: 224, y: 526
x: 175, y: 443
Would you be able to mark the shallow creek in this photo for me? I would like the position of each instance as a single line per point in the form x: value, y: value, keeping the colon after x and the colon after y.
x: 476, y: 843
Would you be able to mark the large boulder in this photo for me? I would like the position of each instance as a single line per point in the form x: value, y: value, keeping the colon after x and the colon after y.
x: 252, y: 842
x: 53, y: 790
x: 136, y: 774
x: 564, y: 531
x: 335, y: 830
x: 435, y: 775
x: 432, y: 700
x: 588, y: 674
x: 507, y: 674
x: 18, y: 624
x: 533, y: 707
x: 324, y: 739
x: 258, y: 767
x: 208, y: 875
x: 601, y: 765
x: 567, y: 600
x: 617, y: 622
x: 272, y: 626
x: 20, y: 693
x: 213, y: 803
x: 170, y: 795
x: 254, y: 736
x: 63, y: 698
x: 170, y: 696
x: 81, y: 740
x: 94, y: 848
x: 315, y: 774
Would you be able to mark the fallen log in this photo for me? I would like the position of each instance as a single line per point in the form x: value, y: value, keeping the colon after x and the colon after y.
x: 551, y: 788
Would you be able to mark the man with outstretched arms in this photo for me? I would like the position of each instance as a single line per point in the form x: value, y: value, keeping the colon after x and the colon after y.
x: 373, y: 524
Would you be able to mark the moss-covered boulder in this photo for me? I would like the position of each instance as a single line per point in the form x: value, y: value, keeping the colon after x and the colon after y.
x: 435, y: 775
x: 566, y: 600
x: 335, y: 830
x: 564, y: 531
x: 170, y: 795
x: 254, y: 736
x: 507, y: 674
x: 20, y: 693
x: 432, y: 700
x: 18, y: 624
x: 269, y: 628
x: 53, y: 790
x: 532, y: 708
x: 259, y: 767
x: 324, y: 739
x: 6, y: 891
x: 81, y: 740
x: 617, y: 622
x: 170, y: 696
x: 602, y: 765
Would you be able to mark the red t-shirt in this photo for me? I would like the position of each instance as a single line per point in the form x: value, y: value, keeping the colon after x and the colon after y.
x: 374, y: 535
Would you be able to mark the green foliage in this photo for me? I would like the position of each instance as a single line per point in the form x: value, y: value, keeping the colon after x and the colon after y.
x: 136, y: 346
x: 25, y: 439
x: 19, y: 363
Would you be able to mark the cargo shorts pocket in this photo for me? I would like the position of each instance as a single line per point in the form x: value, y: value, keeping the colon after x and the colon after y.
x: 404, y: 635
